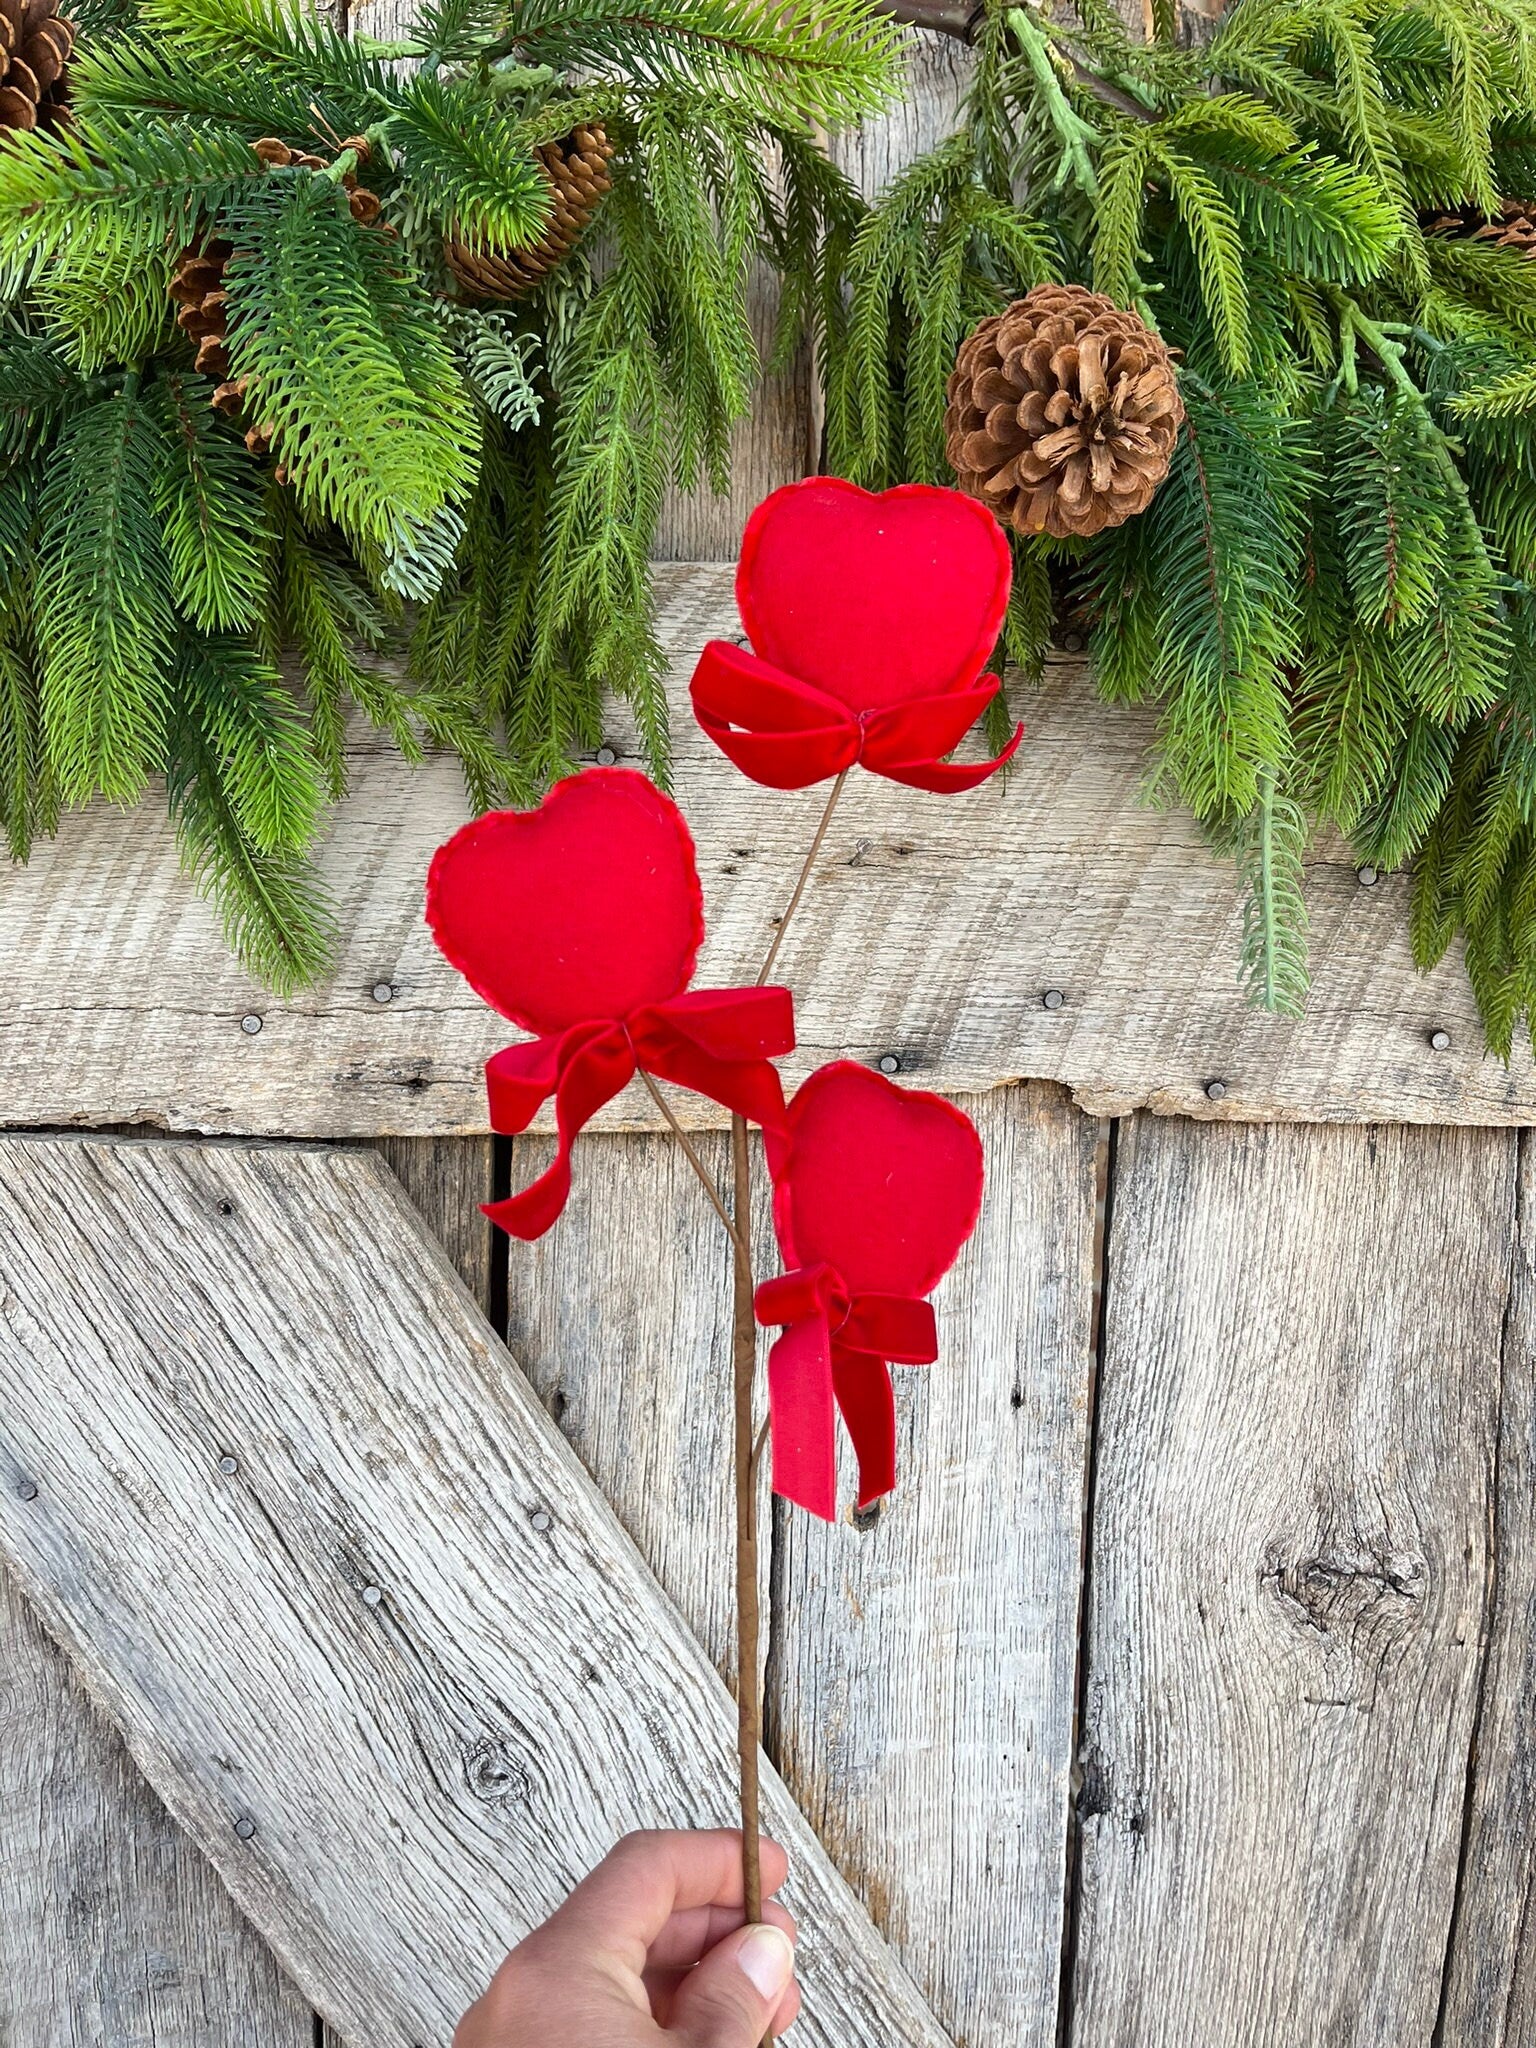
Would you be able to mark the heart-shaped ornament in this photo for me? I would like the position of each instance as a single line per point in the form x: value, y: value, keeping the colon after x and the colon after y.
x: 873, y: 597
x: 883, y: 1183
x: 586, y: 908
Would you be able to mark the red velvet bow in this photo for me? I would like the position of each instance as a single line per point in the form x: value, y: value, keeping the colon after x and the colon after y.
x: 581, y: 921
x: 872, y: 616
x: 876, y: 1188
x: 836, y: 1347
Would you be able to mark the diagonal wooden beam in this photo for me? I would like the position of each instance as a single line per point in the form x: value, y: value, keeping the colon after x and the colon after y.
x: 361, y: 1617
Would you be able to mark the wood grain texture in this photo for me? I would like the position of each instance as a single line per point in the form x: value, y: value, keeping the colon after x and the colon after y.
x: 446, y: 1180
x: 1490, y: 1996
x: 621, y: 1319
x: 1291, y: 1548
x: 121, y: 1005
x: 114, y: 1932
x: 924, y: 1669
x: 394, y: 1788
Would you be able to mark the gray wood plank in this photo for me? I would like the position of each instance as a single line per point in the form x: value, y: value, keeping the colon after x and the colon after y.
x: 446, y: 1180
x: 1290, y: 1560
x: 924, y: 1668
x: 394, y: 1789
x: 621, y: 1319
x: 114, y: 1931
x: 121, y: 1005
x: 1490, y: 1994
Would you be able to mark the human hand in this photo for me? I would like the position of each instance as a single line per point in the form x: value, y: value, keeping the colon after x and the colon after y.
x: 651, y: 1948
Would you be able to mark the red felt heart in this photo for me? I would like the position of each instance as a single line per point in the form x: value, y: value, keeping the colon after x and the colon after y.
x: 583, y: 909
x: 882, y: 1183
x: 873, y: 597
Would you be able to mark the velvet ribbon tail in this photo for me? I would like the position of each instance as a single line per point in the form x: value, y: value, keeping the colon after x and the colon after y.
x: 904, y: 742
x: 833, y: 1357
x: 582, y: 1068
x: 777, y: 730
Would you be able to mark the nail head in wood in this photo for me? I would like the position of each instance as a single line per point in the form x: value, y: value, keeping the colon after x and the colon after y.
x: 889, y: 1064
x: 1216, y: 1091
x: 1367, y: 877
x: 541, y: 1519
x: 607, y: 756
x: 1053, y: 999
x: 1440, y: 1040
x: 250, y: 1025
x: 383, y: 992
x: 229, y: 1465
x: 245, y: 1827
x: 373, y: 1596
x: 1073, y: 643
x: 26, y: 1489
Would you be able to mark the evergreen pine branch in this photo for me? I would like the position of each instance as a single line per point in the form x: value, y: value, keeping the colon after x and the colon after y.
x: 466, y: 165
x: 127, y: 77
x: 29, y: 794
x: 38, y: 389
x: 1225, y: 534
x: 831, y: 64
x: 276, y: 916
x: 105, y: 614
x: 251, y: 728
x: 1217, y: 242
x: 113, y: 191
x: 210, y: 501
x: 1271, y: 842
x: 102, y: 315
x: 345, y: 362
x: 284, y: 36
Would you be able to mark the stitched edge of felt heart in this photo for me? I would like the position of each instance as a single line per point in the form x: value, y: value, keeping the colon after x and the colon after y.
x: 462, y: 941
x: 787, y: 1165
x: 993, y: 580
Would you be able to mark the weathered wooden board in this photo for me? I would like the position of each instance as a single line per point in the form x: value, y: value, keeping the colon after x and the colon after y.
x: 621, y: 1319
x: 1291, y: 1535
x: 447, y: 1179
x: 114, y: 1932
x: 1491, y: 1982
x: 924, y: 1668
x: 120, y: 1004
x: 441, y: 1680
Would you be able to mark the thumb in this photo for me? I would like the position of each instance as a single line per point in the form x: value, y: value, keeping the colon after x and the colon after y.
x: 733, y: 1995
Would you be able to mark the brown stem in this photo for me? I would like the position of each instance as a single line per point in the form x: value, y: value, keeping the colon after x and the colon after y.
x: 805, y: 875
x: 749, y: 1697
x: 706, y: 1178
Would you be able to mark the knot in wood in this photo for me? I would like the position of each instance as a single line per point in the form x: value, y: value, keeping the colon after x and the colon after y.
x: 493, y: 1773
x: 1345, y: 1589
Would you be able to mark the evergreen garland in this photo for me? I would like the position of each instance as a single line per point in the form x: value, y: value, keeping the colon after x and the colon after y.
x: 1333, y: 596
x: 474, y: 490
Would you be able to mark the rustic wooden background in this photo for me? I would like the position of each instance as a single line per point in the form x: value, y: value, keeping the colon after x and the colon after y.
x: 1183, y: 1692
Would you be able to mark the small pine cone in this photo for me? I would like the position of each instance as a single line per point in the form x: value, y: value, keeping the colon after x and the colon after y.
x: 578, y: 173
x: 1512, y: 227
x: 203, y: 304
x: 1063, y: 413
x: 36, y: 44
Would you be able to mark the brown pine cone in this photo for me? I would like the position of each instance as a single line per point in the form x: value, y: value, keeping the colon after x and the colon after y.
x: 36, y: 44
x: 577, y: 169
x: 1063, y: 413
x: 1512, y: 227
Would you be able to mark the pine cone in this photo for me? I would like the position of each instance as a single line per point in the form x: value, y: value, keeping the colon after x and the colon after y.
x: 1512, y: 227
x: 577, y: 169
x: 198, y: 285
x: 36, y: 44
x: 1063, y: 413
